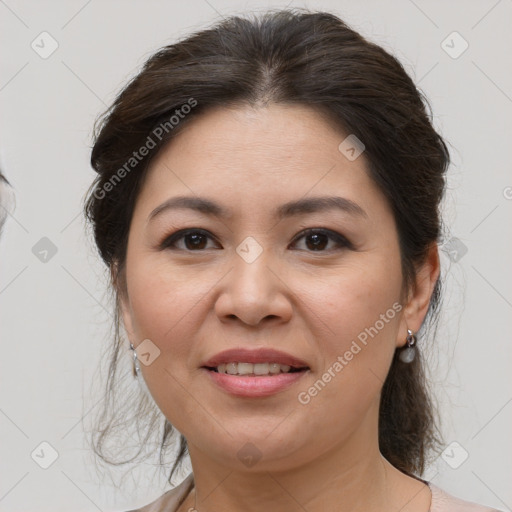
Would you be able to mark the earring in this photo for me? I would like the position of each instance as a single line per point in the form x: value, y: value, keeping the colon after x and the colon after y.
x: 136, y: 367
x: 137, y: 373
x: 408, y: 353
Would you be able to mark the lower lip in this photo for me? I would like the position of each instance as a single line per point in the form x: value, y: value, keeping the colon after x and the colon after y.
x: 254, y: 386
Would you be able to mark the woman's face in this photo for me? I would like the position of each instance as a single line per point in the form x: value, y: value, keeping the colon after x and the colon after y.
x: 266, y: 264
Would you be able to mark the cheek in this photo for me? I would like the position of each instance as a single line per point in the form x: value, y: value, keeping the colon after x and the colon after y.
x: 162, y: 294
x: 164, y: 307
x: 356, y: 314
x: 164, y: 304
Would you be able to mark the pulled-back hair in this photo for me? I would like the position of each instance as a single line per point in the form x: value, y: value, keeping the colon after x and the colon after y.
x: 284, y: 57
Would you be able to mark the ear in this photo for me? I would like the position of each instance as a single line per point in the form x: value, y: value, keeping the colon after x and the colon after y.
x: 416, y: 308
x: 125, y: 310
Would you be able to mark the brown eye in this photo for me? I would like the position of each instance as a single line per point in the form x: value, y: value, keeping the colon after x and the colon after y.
x: 188, y: 240
x: 195, y: 241
x: 321, y: 240
x: 317, y: 241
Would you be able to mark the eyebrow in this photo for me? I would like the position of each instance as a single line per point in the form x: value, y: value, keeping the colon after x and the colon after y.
x: 290, y: 209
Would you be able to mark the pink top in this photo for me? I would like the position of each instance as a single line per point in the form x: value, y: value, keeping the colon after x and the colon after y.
x: 441, y: 500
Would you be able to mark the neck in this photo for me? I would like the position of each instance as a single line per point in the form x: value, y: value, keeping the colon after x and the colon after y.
x: 350, y: 477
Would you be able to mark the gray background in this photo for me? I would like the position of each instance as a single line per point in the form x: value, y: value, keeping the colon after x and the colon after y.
x: 55, y: 312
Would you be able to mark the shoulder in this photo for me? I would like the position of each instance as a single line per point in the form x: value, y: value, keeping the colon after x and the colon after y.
x: 171, y: 500
x: 444, y: 502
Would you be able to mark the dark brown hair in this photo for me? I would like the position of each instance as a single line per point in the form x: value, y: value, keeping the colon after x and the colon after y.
x: 7, y: 200
x: 288, y: 57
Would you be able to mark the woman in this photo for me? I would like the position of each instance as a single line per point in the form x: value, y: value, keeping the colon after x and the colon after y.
x: 267, y: 202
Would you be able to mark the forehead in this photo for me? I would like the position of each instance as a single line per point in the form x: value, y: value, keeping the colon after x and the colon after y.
x: 276, y: 133
x: 256, y: 156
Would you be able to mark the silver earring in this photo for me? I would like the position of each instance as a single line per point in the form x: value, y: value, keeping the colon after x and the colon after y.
x: 137, y: 373
x: 136, y: 367
x: 408, y: 353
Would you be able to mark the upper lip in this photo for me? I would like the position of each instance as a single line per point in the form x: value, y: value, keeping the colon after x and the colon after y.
x: 260, y: 355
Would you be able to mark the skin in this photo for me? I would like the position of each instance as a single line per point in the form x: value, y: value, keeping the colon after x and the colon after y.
x: 194, y: 303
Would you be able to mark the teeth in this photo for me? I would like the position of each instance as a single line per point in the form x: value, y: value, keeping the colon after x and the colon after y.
x: 274, y: 368
x: 245, y: 368
x: 253, y: 369
x: 261, y: 369
x: 232, y: 368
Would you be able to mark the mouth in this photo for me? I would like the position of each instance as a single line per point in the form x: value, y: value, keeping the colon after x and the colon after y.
x: 254, y: 373
x: 255, y: 369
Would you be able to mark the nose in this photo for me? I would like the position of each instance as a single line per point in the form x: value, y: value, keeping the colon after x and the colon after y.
x: 253, y: 294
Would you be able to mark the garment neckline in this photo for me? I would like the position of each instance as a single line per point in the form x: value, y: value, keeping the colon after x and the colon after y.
x: 188, y: 484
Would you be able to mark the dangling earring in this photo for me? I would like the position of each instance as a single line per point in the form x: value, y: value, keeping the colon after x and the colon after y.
x: 408, y: 353
x: 137, y: 373
x: 136, y: 367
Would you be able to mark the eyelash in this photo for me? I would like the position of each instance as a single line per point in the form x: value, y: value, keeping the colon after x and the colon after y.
x: 340, y: 240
